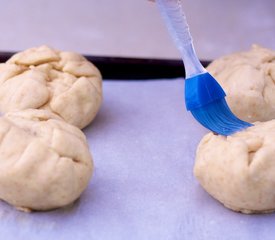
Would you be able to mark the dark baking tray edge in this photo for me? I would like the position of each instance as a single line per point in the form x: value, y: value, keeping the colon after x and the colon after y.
x: 122, y: 68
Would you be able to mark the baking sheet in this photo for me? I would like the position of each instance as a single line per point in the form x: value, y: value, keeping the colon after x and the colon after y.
x: 143, y: 142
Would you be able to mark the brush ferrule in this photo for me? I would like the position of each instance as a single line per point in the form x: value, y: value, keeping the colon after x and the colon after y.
x: 201, y: 90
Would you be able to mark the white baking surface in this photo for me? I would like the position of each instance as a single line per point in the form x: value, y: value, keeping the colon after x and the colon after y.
x: 134, y: 28
x: 143, y: 142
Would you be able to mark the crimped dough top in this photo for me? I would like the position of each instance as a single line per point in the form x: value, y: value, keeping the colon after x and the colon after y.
x: 43, y: 78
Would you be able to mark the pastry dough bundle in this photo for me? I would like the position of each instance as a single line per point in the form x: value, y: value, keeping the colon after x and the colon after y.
x: 46, y: 96
x: 239, y: 170
x: 248, y: 79
x: 64, y: 83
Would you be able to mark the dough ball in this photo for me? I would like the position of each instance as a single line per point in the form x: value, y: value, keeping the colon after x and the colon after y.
x: 248, y: 79
x: 43, y: 78
x: 238, y: 170
x: 45, y: 162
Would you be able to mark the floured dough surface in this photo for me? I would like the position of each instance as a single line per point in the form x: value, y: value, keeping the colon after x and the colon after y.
x: 45, y: 162
x: 238, y: 170
x: 248, y: 79
x: 43, y: 78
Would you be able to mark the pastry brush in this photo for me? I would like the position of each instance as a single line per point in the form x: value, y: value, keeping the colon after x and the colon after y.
x: 204, y: 97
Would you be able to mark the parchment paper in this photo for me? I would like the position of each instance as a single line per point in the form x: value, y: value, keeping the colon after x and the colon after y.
x: 143, y: 142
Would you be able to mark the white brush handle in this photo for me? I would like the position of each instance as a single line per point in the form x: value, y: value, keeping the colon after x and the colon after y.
x: 174, y: 17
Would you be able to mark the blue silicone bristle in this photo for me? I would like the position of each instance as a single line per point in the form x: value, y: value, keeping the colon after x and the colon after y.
x: 205, y: 98
x: 217, y: 117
